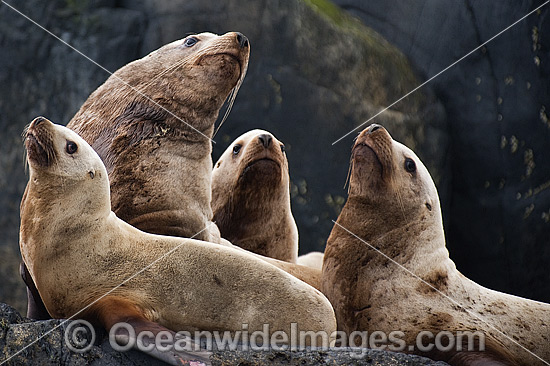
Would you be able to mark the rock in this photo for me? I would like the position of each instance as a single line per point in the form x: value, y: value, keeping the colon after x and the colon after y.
x: 497, y: 103
x: 315, y: 73
x: 23, y: 342
x: 45, y: 345
x: 313, y: 358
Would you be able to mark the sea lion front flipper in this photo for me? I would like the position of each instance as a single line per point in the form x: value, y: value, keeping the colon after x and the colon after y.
x: 35, y: 306
x: 113, y: 310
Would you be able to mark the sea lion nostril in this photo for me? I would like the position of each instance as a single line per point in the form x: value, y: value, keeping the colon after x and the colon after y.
x: 37, y: 121
x: 242, y: 40
x: 373, y: 128
x: 265, y: 139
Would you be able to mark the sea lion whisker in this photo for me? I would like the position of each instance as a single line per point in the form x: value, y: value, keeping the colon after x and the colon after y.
x: 25, y: 132
x: 24, y: 137
x: 232, y: 97
x: 50, y: 153
x: 348, y: 177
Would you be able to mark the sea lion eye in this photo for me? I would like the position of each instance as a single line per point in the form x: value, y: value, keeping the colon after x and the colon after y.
x: 190, y: 42
x: 283, y: 148
x: 410, y: 166
x: 71, y: 147
x: 236, y: 149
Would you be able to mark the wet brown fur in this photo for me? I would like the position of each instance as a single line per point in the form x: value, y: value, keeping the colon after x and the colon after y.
x: 151, y: 123
x: 251, y: 198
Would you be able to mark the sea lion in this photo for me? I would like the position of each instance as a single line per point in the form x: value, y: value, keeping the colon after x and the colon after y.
x: 251, y: 196
x: 251, y: 203
x: 78, y: 252
x: 151, y: 123
x: 386, y: 266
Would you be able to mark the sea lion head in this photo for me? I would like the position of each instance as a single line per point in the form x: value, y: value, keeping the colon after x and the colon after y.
x: 219, y: 61
x: 60, y: 159
x: 388, y: 174
x: 251, y: 197
x: 254, y: 162
x: 190, y: 78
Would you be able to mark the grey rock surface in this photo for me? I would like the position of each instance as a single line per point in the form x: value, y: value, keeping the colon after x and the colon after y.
x: 16, y: 333
x: 497, y: 102
x: 315, y: 73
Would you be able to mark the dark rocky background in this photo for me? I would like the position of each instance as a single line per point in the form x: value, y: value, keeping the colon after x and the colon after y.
x: 498, y: 103
x: 317, y: 71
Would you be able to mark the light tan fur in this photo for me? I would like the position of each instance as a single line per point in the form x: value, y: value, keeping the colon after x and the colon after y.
x: 311, y: 259
x: 251, y: 197
x: 77, y: 250
x: 398, y: 213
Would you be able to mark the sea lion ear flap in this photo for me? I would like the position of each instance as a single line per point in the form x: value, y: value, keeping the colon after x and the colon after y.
x: 430, y: 203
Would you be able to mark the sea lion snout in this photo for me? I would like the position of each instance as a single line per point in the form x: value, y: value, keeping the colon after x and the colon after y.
x: 242, y: 40
x: 372, y: 128
x: 265, y: 139
x: 38, y: 142
x: 374, y: 133
x: 37, y: 121
x: 377, y: 139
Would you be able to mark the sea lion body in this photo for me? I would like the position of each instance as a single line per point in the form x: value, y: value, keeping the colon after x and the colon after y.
x: 251, y: 196
x: 152, y: 122
x: 414, y: 286
x: 78, y: 251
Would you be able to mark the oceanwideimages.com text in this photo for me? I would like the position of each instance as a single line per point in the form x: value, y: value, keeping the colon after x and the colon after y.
x: 80, y: 335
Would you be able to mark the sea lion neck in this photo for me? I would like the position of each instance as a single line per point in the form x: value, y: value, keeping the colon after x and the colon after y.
x: 246, y: 204
x: 52, y: 203
x: 360, y: 216
x: 144, y: 116
x: 361, y: 219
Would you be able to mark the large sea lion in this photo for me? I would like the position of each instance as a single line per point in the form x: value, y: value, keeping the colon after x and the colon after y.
x: 386, y: 267
x: 151, y: 123
x: 251, y: 196
x: 78, y: 252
